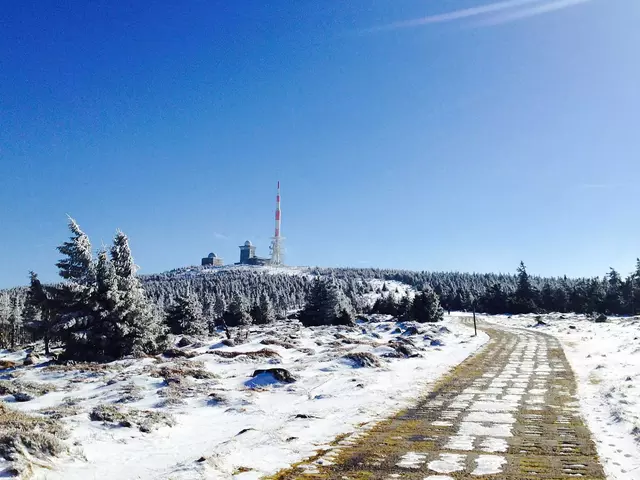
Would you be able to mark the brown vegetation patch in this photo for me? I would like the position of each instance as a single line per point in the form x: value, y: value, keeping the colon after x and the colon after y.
x: 363, y: 359
x: 6, y: 364
x: 280, y: 343
x: 145, y: 420
x: 25, y: 437
x: 258, y: 354
x: 182, y: 368
x: 20, y: 387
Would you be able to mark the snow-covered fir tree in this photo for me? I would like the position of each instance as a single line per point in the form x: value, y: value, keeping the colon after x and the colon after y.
x: 263, y: 313
x: 185, y: 316
x: 141, y: 330
x: 327, y: 305
x: 426, y: 306
x: 237, y: 315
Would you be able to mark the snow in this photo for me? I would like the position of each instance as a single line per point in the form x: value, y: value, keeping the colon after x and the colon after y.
x: 261, y: 425
x: 605, y: 358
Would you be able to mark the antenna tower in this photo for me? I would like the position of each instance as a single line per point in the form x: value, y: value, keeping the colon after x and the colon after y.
x: 276, y: 241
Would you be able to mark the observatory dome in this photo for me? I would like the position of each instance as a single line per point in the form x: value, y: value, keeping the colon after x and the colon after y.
x: 248, y: 244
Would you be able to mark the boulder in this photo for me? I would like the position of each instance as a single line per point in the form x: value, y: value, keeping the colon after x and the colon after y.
x: 185, y: 342
x: 30, y: 359
x: 412, y: 330
x: 22, y: 397
x: 280, y: 374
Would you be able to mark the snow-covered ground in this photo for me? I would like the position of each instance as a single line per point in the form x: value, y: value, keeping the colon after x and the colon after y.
x: 234, y: 425
x: 606, y: 360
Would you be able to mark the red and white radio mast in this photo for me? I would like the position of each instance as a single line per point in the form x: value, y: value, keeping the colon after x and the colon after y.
x: 276, y: 241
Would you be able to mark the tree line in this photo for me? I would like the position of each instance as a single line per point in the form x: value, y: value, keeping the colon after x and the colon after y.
x: 102, y: 308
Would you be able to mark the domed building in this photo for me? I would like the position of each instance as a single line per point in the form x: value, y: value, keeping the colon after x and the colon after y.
x: 212, y: 260
x: 248, y: 255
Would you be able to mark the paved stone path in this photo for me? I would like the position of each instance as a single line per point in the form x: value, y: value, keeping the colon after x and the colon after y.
x: 507, y: 413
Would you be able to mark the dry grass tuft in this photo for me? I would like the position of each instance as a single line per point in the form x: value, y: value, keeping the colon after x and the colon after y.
x: 25, y: 438
x: 363, y: 359
x: 130, y: 393
x: 25, y: 390
x: 280, y: 343
x: 181, y: 368
x: 145, y: 420
x: 83, y: 367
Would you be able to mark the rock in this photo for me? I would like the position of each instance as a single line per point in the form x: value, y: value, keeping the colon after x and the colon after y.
x: 280, y: 374
x: 185, y: 342
x: 411, y: 331
x: 444, y: 330
x: 397, y: 331
x: 22, y: 397
x: 201, y: 459
x: 216, y: 399
x: 304, y: 415
x: 31, y: 359
x: 572, y: 327
x: 228, y: 342
x: 540, y: 322
x: 602, y: 318
x: 436, y: 343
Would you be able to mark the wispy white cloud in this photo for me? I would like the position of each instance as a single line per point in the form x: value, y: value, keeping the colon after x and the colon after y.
x: 220, y: 236
x: 530, y: 12
x: 495, y: 13
x: 456, y: 14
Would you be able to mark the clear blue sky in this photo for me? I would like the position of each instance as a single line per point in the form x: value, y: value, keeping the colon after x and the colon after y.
x: 450, y: 135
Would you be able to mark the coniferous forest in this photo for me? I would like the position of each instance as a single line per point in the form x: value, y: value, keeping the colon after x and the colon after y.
x: 102, y: 309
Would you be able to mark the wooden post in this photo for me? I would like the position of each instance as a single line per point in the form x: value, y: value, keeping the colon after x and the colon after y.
x: 475, y: 327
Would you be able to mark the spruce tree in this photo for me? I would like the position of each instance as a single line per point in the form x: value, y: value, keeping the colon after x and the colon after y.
x: 40, y: 316
x: 426, y: 306
x: 141, y: 332
x: 327, y: 305
x: 185, y: 317
x: 237, y: 315
x: 523, y: 301
x: 77, y: 265
x: 74, y: 297
x: 262, y: 313
x: 105, y: 333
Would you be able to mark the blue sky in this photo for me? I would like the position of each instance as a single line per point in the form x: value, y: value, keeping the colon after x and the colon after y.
x: 459, y: 135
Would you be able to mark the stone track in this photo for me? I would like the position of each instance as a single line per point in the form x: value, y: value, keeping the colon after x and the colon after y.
x: 507, y: 413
